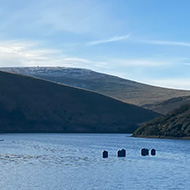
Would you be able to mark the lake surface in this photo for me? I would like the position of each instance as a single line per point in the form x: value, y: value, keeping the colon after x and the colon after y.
x: 74, y: 161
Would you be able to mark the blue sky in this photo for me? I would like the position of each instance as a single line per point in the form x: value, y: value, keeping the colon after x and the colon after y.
x: 142, y: 40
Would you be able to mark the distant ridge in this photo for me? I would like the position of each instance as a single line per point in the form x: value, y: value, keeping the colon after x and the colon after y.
x: 173, y: 125
x: 33, y: 105
x: 125, y: 90
x: 171, y: 104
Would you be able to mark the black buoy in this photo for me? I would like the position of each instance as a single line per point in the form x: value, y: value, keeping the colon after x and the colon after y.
x: 105, y: 154
x: 153, y: 152
x: 144, y: 152
x: 121, y: 153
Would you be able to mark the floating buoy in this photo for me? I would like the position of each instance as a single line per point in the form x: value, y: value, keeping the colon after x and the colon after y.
x: 144, y: 152
x: 121, y: 153
x: 153, y: 152
x: 105, y: 154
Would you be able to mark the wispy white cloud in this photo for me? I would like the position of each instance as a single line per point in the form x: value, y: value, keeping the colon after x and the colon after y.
x: 52, y: 16
x: 140, y: 62
x: 170, y: 43
x: 113, y: 39
x: 176, y: 83
x: 79, y: 62
x: 24, y: 53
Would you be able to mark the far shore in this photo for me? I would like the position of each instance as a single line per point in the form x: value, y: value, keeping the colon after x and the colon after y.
x: 161, y: 137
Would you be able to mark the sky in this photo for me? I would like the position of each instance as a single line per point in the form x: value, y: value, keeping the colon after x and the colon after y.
x: 142, y: 40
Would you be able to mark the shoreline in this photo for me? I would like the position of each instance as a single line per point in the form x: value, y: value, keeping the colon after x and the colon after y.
x: 161, y: 137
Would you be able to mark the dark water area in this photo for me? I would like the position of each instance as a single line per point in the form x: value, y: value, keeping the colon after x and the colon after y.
x: 74, y: 161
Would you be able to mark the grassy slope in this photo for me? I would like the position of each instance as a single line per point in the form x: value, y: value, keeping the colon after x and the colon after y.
x: 171, y: 104
x: 173, y: 125
x: 125, y: 90
x: 34, y: 105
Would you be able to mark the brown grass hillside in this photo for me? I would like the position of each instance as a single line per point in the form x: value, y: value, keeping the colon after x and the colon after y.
x: 33, y: 105
x: 125, y: 90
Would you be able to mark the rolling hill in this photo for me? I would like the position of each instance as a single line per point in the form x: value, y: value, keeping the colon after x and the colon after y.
x: 34, y: 105
x: 124, y: 90
x: 171, y: 104
x: 173, y: 125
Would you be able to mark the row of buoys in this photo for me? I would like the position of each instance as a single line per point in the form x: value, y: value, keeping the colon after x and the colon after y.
x: 122, y: 153
x: 145, y: 152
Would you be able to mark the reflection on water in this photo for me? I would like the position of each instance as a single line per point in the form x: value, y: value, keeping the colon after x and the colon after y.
x: 74, y: 161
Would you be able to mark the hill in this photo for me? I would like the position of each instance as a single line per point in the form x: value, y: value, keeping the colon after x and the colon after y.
x: 33, y: 105
x: 173, y: 125
x: 168, y: 105
x: 125, y: 90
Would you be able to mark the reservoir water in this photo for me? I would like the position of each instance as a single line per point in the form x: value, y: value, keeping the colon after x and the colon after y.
x: 74, y: 161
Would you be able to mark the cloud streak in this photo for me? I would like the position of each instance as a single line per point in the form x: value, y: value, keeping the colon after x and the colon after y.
x: 113, y: 39
x: 24, y: 53
x: 139, y: 62
x: 170, y: 43
x: 175, y: 83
